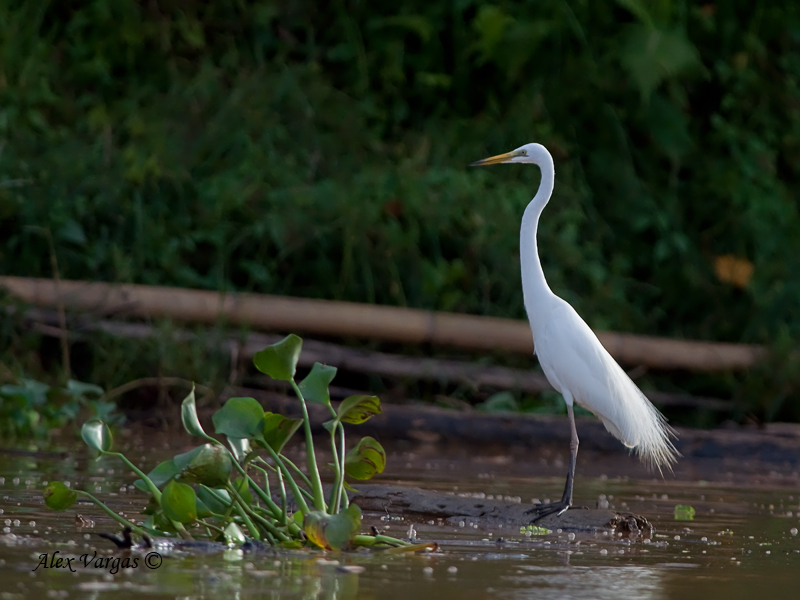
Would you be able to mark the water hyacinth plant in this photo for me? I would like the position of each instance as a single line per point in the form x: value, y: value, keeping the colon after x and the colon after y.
x: 211, y: 489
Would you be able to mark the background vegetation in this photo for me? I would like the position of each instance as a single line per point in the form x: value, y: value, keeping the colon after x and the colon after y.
x: 320, y: 149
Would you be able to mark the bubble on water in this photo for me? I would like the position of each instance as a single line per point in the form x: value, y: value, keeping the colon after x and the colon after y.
x: 793, y: 531
x: 603, y: 551
x: 570, y: 536
x: 16, y: 523
x: 15, y: 481
x: 32, y: 524
x: 452, y: 570
x: 677, y: 537
x: 384, y: 567
x: 461, y: 524
x: 428, y: 571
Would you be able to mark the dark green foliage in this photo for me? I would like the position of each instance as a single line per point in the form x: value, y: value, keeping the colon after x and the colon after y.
x: 319, y: 149
x: 32, y: 409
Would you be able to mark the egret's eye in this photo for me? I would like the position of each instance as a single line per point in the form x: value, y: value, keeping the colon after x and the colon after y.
x: 524, y: 153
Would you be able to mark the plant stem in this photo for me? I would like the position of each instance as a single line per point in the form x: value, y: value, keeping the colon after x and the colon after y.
x: 333, y: 505
x: 297, y: 470
x: 240, y: 508
x: 153, y: 490
x: 305, y: 493
x: 249, y: 512
x: 273, y: 508
x: 292, y: 527
x: 341, y: 495
x: 313, y: 471
x: 119, y: 519
x: 372, y: 540
x: 284, y: 517
x: 298, y: 496
x: 210, y: 526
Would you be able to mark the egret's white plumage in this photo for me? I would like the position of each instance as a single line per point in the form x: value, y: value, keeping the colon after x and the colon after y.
x: 573, y: 359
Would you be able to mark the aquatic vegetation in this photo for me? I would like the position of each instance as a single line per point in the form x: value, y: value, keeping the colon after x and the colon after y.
x: 251, y: 489
x: 32, y: 409
x: 684, y: 512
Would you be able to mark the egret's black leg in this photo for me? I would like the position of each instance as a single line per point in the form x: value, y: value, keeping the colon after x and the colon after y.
x: 539, y: 511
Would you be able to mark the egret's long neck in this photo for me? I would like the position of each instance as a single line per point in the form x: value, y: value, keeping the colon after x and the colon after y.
x: 534, y: 285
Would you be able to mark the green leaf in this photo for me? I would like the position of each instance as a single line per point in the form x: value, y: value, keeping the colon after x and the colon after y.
x: 652, y: 56
x: 278, y: 430
x: 203, y: 512
x: 189, y: 416
x: 58, y: 496
x: 97, y: 435
x: 240, y: 447
x: 242, y: 486
x: 239, y: 418
x: 500, y: 402
x: 315, y: 386
x: 332, y: 532
x: 78, y: 389
x: 350, y: 488
x: 208, y: 464
x: 684, y: 512
x: 357, y: 409
x: 217, y: 501
x: 159, y: 476
x: 234, y: 535
x: 279, y: 361
x: 179, y: 502
x: 298, y: 517
x: 364, y: 461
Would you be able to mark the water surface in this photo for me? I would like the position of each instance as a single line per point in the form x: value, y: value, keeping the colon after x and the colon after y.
x: 742, y: 542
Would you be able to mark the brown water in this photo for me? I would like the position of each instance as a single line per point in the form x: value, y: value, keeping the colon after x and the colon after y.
x: 742, y: 543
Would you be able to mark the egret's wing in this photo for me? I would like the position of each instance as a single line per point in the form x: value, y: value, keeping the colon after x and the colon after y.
x: 578, y: 365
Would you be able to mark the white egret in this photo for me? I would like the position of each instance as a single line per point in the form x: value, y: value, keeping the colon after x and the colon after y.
x: 573, y: 359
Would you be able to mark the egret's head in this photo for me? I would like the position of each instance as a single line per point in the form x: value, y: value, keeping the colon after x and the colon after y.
x: 535, y: 154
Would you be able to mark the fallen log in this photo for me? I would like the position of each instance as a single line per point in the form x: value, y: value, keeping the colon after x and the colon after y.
x: 333, y: 318
x: 775, y: 443
x: 376, y: 363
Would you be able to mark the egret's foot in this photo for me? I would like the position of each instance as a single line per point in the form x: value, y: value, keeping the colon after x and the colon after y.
x: 540, y: 511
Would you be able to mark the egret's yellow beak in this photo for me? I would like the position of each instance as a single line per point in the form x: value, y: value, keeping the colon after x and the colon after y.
x: 496, y: 160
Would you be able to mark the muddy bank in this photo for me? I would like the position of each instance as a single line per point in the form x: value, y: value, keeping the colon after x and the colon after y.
x: 464, y: 510
x: 776, y: 443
